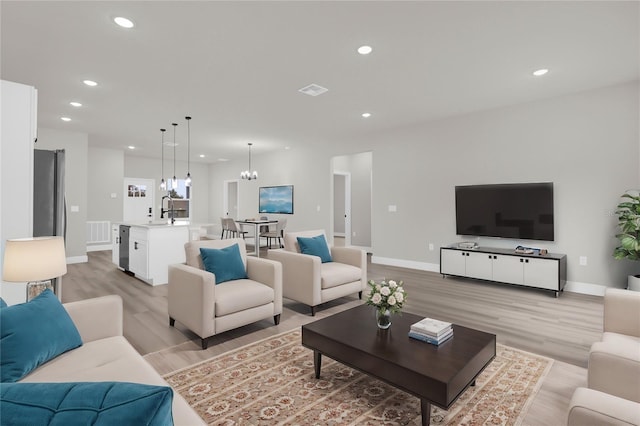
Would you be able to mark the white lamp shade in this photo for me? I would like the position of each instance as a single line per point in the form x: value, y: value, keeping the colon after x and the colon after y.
x: 34, y: 259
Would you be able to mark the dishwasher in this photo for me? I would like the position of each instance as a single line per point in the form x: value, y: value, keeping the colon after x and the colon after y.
x: 124, y: 247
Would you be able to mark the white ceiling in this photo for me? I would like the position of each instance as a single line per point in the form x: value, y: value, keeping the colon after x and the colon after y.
x: 236, y: 67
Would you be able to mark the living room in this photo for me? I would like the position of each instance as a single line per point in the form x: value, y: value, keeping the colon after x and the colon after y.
x: 579, y: 132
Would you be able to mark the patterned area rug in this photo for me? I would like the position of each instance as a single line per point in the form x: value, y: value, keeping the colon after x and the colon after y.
x: 272, y: 382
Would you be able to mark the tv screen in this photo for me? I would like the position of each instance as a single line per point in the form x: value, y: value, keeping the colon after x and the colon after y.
x: 276, y: 199
x: 520, y: 211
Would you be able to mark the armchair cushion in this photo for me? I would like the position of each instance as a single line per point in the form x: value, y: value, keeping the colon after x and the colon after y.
x: 241, y: 295
x: 333, y: 274
x: 33, y: 333
x: 315, y: 246
x: 226, y: 263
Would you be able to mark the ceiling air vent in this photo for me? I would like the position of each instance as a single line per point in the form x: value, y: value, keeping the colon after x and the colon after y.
x: 313, y: 90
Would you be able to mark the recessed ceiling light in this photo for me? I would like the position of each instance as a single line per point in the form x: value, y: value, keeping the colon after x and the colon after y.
x: 65, y: 119
x: 366, y: 114
x: 287, y: 148
x: 75, y: 104
x: 131, y: 147
x: 123, y: 22
x: 540, y: 72
x: 223, y: 159
x: 90, y: 83
x: 364, y: 50
x: 201, y: 155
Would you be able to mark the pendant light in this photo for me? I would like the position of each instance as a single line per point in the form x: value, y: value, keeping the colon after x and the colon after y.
x: 163, y: 184
x: 187, y: 181
x: 248, y: 174
x: 174, y: 181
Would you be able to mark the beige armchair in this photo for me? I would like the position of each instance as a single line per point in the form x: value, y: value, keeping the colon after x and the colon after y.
x: 208, y: 309
x: 306, y: 279
x: 613, y: 377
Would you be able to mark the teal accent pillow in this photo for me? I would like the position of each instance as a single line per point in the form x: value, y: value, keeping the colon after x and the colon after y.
x: 3, y: 304
x: 226, y: 264
x: 315, y: 246
x: 33, y: 333
x: 99, y: 403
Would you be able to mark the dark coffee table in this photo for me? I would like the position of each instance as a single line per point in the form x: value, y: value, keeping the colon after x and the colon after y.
x: 436, y: 374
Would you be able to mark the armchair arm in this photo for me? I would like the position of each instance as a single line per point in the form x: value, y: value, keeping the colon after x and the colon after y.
x: 300, y: 276
x: 191, y: 297
x: 591, y: 407
x: 268, y: 272
x: 621, y: 309
x: 97, y: 318
x: 614, y: 368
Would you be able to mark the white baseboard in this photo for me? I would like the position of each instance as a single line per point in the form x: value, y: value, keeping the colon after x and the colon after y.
x: 411, y: 264
x: 100, y: 247
x: 585, y: 288
x: 571, y: 286
x: 77, y: 259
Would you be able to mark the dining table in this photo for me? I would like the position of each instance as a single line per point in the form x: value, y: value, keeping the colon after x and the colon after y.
x: 256, y: 223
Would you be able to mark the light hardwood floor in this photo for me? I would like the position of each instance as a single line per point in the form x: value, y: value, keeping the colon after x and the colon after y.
x: 531, y: 320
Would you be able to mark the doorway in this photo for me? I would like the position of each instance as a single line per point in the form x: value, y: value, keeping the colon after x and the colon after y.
x: 342, y: 207
x: 230, y: 199
x: 138, y: 199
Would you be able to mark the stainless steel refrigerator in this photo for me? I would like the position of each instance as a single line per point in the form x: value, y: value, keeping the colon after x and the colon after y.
x: 49, y: 210
x: 49, y: 206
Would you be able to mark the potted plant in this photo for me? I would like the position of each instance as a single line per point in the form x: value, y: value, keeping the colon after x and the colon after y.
x: 628, y: 212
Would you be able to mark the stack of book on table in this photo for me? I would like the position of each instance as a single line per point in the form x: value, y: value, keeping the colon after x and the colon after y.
x: 431, y: 331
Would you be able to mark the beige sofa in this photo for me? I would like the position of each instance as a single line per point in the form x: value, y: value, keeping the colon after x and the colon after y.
x: 613, y: 378
x: 306, y: 279
x: 106, y: 355
x: 208, y: 309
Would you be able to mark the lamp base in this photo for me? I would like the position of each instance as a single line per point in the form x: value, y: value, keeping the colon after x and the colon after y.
x: 34, y: 288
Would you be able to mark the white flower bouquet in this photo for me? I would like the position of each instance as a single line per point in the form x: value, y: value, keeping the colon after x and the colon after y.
x: 387, y: 295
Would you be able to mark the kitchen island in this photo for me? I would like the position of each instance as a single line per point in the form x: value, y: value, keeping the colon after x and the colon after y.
x: 147, y: 249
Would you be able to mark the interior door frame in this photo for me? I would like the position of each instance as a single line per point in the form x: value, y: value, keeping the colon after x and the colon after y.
x: 225, y: 196
x: 347, y: 204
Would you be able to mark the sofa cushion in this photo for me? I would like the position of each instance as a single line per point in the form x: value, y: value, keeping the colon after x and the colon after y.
x: 226, y: 263
x: 240, y: 295
x: 33, y: 333
x: 333, y: 274
x: 95, y: 403
x: 315, y: 246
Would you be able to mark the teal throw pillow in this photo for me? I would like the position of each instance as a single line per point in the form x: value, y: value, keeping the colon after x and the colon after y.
x: 3, y: 304
x: 226, y: 264
x: 91, y: 403
x: 315, y: 246
x: 33, y: 333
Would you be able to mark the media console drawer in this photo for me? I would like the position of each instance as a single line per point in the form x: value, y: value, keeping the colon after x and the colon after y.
x: 547, y: 272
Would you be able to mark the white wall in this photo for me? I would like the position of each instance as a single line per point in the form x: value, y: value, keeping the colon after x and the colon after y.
x: 19, y: 107
x: 586, y: 144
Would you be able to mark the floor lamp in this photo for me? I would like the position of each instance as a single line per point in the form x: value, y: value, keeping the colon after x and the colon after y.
x: 36, y: 261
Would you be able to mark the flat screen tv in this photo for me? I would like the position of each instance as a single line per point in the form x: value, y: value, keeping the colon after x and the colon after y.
x: 276, y: 199
x: 514, y: 210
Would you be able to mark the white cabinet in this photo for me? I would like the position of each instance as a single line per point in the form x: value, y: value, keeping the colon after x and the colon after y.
x: 152, y: 248
x: 548, y: 272
x: 115, y: 244
x: 466, y: 264
x: 138, y: 252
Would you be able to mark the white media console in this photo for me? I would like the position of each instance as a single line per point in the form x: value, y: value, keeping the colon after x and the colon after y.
x: 548, y: 272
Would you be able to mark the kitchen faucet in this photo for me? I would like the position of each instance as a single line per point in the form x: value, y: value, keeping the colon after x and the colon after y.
x: 170, y: 210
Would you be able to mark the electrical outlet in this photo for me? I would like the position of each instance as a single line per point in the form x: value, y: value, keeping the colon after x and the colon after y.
x: 430, y: 247
x: 353, y: 234
x: 393, y: 208
x: 583, y: 260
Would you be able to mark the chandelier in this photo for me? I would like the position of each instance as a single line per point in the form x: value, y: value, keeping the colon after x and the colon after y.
x: 247, y: 174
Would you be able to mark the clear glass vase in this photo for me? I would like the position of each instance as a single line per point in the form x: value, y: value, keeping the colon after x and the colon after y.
x: 383, y: 318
